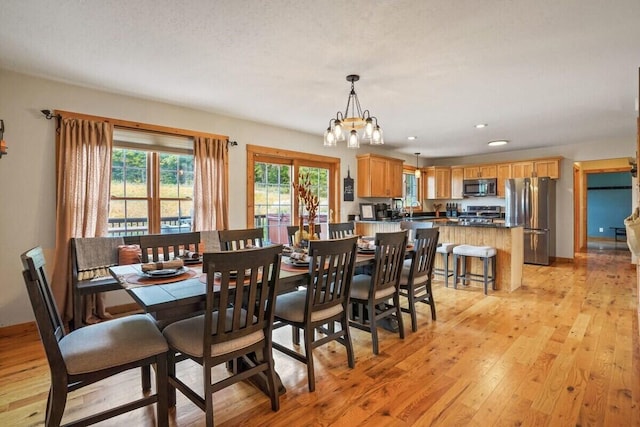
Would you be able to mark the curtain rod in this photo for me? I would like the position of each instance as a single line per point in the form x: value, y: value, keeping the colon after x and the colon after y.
x: 127, y: 124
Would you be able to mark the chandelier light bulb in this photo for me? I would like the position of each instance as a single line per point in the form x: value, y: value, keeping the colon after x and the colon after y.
x: 376, y: 137
x: 368, y: 128
x: 353, y: 142
x: 329, y: 138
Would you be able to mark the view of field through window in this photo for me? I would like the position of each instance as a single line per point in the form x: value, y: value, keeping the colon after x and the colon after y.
x: 132, y: 205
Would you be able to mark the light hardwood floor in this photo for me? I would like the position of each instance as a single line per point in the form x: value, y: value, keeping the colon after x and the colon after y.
x: 562, y: 350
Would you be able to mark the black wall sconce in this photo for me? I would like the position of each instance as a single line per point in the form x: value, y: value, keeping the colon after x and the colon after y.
x: 3, y: 145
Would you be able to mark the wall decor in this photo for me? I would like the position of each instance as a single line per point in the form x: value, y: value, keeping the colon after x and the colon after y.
x: 348, y: 187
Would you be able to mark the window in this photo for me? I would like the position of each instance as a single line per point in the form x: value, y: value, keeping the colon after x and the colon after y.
x: 410, y: 193
x: 151, y: 187
x: 271, y: 202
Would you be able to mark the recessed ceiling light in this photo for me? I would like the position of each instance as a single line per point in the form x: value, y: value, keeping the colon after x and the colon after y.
x: 498, y: 142
x: 412, y: 138
x: 481, y: 125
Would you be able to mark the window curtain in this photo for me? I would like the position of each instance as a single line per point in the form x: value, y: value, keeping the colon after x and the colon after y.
x: 83, y: 156
x: 211, y: 188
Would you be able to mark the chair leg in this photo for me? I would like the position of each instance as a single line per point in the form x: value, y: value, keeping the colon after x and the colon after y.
x: 493, y: 272
x: 456, y: 259
x: 208, y: 394
x: 412, y: 308
x: 308, y: 349
x: 432, y: 303
x: 171, y: 373
x: 485, y: 269
x: 373, y: 326
x: 396, y: 302
x: 347, y: 340
x: 145, y: 375
x: 295, y: 335
x: 445, y: 260
x: 162, y: 389
x: 56, y: 402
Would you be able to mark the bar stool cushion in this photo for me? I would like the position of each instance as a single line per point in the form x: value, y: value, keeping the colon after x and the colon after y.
x: 445, y: 247
x: 475, y: 251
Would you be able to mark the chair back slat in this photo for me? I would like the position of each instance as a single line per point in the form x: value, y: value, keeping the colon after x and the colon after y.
x: 331, y: 270
x: 424, y: 247
x: 48, y: 319
x: 241, y: 288
x: 233, y: 240
x: 163, y: 247
x: 390, y: 250
x: 341, y: 230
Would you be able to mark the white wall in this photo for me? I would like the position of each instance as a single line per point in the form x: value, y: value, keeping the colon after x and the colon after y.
x: 27, y: 173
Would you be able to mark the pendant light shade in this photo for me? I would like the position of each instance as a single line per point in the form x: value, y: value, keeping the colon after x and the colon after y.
x: 417, y: 171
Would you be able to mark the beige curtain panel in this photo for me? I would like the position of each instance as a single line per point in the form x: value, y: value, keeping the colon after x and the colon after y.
x: 82, y: 189
x: 210, y: 184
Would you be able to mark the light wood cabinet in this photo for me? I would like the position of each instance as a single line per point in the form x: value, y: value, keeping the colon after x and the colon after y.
x: 379, y: 176
x: 504, y: 173
x: 457, y: 178
x: 541, y: 167
x: 480, y: 171
x: 437, y: 184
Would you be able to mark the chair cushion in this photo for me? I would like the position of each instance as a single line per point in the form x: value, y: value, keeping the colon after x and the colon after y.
x: 111, y: 343
x: 290, y: 306
x: 186, y: 336
x: 475, y: 251
x: 360, y: 285
x: 446, y: 247
x: 404, y: 275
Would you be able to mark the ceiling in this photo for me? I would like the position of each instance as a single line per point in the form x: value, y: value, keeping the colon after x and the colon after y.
x: 538, y: 72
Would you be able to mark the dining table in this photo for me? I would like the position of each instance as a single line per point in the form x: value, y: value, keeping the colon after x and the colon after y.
x: 168, y: 299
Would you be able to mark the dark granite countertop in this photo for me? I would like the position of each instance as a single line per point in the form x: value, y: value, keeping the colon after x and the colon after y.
x: 443, y: 221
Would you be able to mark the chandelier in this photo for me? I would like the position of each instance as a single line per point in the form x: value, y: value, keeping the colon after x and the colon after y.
x: 352, y: 120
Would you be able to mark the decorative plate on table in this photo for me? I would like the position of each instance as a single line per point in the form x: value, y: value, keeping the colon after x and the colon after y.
x: 232, y: 274
x: 190, y: 261
x: 166, y: 272
x: 366, y: 251
x: 298, y: 263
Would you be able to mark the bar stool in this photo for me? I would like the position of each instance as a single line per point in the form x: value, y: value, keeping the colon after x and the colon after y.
x: 486, y: 253
x: 445, y: 249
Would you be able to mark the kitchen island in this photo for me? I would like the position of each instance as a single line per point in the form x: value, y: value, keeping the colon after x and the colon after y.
x: 509, y: 242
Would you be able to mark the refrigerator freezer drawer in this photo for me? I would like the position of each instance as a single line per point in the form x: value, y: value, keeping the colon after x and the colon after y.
x: 536, y: 246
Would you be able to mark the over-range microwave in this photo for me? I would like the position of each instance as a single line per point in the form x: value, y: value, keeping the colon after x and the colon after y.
x: 480, y: 187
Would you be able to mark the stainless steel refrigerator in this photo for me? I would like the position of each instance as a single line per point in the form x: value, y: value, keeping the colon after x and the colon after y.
x: 530, y: 202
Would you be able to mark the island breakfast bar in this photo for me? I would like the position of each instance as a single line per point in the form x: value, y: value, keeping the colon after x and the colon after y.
x: 508, y: 241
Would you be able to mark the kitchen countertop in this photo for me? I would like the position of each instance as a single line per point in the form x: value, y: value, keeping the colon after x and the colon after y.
x: 442, y: 221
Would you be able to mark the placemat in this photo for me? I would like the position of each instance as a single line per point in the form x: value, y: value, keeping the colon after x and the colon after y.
x: 137, y: 280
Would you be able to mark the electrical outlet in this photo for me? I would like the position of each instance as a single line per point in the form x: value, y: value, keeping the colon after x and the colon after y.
x: 601, y: 230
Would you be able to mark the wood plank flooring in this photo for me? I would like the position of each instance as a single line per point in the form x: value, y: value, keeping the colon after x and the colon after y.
x: 562, y: 350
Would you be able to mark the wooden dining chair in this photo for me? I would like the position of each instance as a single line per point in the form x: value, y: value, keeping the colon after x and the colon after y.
x: 231, y: 240
x: 93, y: 353
x: 292, y: 229
x: 378, y: 292
x: 341, y: 230
x: 235, y: 327
x: 163, y: 247
x: 415, y: 279
x: 323, y: 302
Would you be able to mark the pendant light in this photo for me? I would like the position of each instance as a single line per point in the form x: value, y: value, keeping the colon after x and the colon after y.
x: 417, y: 171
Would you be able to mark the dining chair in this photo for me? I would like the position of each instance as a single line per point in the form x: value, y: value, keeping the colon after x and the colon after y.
x: 231, y: 240
x: 236, y: 326
x: 163, y: 247
x: 341, y: 230
x: 93, y: 353
x: 323, y: 302
x: 292, y: 229
x: 415, y: 278
x: 378, y: 292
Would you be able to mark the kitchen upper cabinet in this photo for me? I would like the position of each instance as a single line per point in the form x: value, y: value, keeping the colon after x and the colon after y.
x: 541, y: 167
x: 457, y: 176
x: 480, y: 171
x: 379, y: 176
x: 438, y: 182
x: 504, y: 173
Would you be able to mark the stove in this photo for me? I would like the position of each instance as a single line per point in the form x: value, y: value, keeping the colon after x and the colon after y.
x: 479, y: 215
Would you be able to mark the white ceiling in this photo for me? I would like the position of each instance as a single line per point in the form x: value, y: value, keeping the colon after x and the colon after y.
x: 539, y: 72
